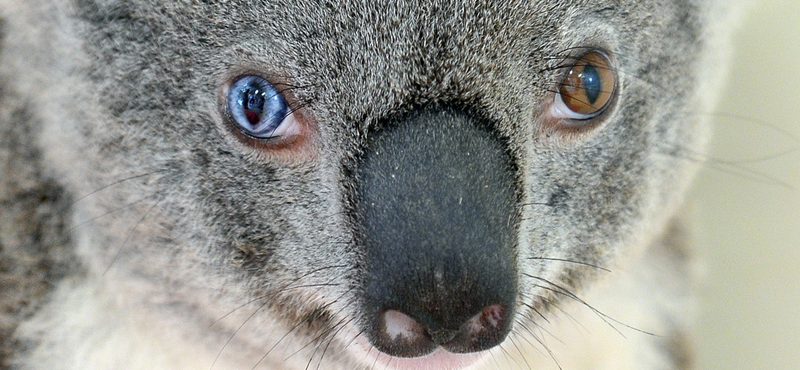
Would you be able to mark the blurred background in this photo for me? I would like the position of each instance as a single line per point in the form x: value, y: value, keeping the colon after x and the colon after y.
x: 747, y: 201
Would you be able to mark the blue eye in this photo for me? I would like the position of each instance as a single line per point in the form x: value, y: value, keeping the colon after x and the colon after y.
x: 258, y: 109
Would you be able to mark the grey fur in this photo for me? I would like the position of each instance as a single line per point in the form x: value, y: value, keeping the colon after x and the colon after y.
x: 120, y: 177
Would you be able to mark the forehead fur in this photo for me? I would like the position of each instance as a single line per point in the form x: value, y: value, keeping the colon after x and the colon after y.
x: 425, y: 50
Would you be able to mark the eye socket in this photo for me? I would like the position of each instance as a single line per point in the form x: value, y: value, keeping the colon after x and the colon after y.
x: 588, y: 87
x: 258, y: 110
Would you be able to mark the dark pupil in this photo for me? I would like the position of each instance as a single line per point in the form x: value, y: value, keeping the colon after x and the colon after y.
x: 254, y: 100
x: 591, y: 83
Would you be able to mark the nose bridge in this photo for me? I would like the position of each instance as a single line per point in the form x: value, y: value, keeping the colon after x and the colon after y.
x: 436, y: 201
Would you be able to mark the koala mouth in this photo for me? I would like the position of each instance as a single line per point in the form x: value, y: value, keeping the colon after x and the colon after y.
x: 436, y: 203
x: 440, y: 359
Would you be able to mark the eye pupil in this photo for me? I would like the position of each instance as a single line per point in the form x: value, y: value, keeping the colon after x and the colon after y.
x: 254, y: 105
x: 592, y: 83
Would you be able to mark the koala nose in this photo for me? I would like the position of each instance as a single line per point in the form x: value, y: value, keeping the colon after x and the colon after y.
x: 436, y: 203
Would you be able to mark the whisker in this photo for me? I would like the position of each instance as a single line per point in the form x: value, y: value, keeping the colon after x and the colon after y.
x: 316, y: 339
x: 265, y: 298
x: 519, y: 350
x: 762, y: 158
x: 571, y: 318
x: 127, y: 206
x: 117, y: 182
x: 494, y: 359
x: 351, y: 341
x: 739, y: 118
x: 570, y: 295
x: 279, y: 290
x: 331, y: 340
x: 227, y: 342
x: 340, y: 325
x: 508, y: 355
x: 523, y: 323
x: 375, y: 361
x: 549, y: 351
x: 536, y: 204
x: 128, y: 236
x: 728, y: 167
x: 563, y: 291
x: 293, y: 328
x: 532, y: 308
x: 538, y: 328
x: 570, y: 261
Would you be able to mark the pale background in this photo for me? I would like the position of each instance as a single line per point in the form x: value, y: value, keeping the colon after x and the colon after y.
x: 748, y: 227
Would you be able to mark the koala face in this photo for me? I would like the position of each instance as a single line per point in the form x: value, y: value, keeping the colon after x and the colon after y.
x: 407, y: 182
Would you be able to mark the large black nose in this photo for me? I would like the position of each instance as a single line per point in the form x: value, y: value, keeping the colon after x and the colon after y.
x: 436, y: 202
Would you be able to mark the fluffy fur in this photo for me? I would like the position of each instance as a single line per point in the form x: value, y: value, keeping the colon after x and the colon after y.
x: 138, y: 232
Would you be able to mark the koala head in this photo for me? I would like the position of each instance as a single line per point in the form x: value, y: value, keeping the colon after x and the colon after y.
x: 376, y: 180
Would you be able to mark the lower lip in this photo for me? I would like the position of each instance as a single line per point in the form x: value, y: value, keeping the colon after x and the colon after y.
x: 440, y: 359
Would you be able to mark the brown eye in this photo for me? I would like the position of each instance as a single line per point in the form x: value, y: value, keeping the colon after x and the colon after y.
x: 588, y: 87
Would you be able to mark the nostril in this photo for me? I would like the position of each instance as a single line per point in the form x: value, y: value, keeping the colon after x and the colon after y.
x: 490, y: 319
x: 481, y: 331
x: 400, y: 335
x: 400, y: 327
x: 405, y: 336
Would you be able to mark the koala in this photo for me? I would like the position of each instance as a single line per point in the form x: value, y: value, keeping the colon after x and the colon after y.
x: 348, y: 184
